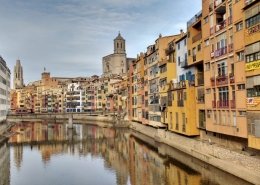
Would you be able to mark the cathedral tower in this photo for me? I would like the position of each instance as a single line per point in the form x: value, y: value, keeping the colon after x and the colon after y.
x: 119, y: 44
x: 18, y: 75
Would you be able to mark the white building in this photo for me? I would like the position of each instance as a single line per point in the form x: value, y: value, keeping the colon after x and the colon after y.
x: 182, y: 70
x: 75, y: 98
x: 4, y: 89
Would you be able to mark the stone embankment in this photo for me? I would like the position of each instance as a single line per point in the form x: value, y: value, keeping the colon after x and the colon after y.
x: 241, y: 165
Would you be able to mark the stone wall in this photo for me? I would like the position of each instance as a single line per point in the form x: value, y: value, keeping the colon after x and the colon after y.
x: 240, y: 165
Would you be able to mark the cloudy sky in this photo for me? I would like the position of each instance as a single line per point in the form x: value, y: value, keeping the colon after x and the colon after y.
x: 70, y: 37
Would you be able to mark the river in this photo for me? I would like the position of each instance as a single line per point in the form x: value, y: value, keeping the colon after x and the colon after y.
x: 43, y: 153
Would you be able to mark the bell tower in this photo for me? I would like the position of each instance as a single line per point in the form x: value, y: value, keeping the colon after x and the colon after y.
x: 119, y: 44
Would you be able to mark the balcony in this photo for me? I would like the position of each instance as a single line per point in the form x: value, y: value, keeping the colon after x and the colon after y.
x: 197, y: 37
x: 230, y: 47
x: 231, y: 78
x: 254, y: 29
x: 184, y: 64
x: 180, y: 103
x: 222, y: 80
x: 214, y: 104
x: 223, y: 104
x: 221, y: 51
x: 169, y: 50
x: 233, y: 104
x: 221, y: 25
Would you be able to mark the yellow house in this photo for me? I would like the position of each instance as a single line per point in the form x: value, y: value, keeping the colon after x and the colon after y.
x: 167, y: 73
x: 182, y: 117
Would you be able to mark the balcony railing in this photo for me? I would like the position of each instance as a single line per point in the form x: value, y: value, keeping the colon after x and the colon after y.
x: 223, y: 104
x: 254, y: 29
x: 221, y: 25
x: 233, y: 104
x: 221, y: 51
x: 222, y: 80
x: 197, y: 37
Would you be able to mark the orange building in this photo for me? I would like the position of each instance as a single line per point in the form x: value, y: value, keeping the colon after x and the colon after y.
x: 252, y: 69
x: 224, y: 74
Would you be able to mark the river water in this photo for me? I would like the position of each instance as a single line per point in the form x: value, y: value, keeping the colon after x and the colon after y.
x: 42, y: 153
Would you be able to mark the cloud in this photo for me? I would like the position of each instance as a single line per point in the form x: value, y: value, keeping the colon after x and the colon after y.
x: 70, y: 37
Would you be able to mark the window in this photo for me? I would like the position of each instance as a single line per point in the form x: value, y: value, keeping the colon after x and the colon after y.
x: 240, y: 56
x: 208, y: 113
x: 222, y: 69
x: 239, y: 26
x: 177, y: 121
x: 207, y: 66
x: 178, y: 46
x: 185, y: 42
x: 206, y: 42
x: 253, y: 57
x: 254, y: 92
x: 199, y: 47
x: 223, y: 94
x: 179, y: 61
x: 241, y: 86
x: 253, y: 20
x: 242, y: 113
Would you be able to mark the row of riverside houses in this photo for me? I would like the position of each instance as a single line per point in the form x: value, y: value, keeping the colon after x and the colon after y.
x: 58, y: 95
x: 205, y: 82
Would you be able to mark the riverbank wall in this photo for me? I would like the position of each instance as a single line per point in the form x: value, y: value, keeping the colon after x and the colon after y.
x: 236, y: 163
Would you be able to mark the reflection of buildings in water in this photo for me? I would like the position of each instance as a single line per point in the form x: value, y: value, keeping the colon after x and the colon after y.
x: 178, y: 173
x: 146, y: 165
x: 38, y: 131
x: 18, y: 156
x: 4, y: 165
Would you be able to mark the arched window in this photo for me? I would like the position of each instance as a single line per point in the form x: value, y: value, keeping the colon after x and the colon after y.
x: 121, y: 45
x: 117, y: 45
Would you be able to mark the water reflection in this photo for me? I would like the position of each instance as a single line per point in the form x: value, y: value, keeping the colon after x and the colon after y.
x: 93, y: 155
x: 4, y: 165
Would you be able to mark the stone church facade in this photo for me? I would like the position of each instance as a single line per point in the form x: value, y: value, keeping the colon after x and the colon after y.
x: 116, y: 63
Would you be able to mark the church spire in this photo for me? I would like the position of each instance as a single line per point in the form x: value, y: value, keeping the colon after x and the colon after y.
x: 119, y: 44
